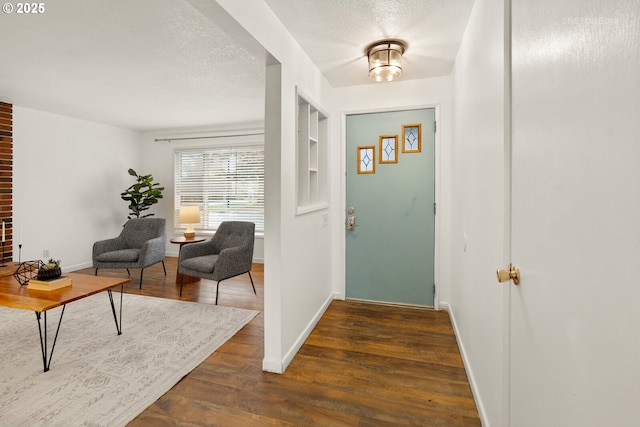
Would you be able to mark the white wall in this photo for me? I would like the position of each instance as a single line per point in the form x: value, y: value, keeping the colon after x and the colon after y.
x: 399, y: 95
x: 476, y: 299
x: 298, y: 262
x: 67, y: 178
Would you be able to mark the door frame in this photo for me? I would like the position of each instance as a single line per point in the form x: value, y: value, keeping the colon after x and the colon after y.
x: 342, y: 265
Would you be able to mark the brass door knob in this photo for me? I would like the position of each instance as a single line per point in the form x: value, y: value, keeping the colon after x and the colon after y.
x: 512, y: 273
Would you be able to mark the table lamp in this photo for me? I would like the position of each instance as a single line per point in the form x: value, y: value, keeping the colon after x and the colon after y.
x: 189, y: 215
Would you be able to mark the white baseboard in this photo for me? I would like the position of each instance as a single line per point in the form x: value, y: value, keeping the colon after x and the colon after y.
x: 75, y: 267
x: 273, y: 366
x: 278, y: 367
x: 339, y: 296
x: 467, y: 366
x: 306, y: 332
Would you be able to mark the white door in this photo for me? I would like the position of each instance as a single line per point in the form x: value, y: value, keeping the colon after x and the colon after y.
x: 575, y: 317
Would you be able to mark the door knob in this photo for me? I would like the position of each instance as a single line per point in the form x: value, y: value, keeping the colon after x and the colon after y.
x: 512, y: 273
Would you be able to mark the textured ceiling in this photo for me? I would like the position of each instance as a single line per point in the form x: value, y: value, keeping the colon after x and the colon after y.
x: 139, y: 65
x: 165, y: 64
x: 335, y: 33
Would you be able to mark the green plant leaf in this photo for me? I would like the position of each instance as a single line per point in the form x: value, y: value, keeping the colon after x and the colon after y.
x: 142, y: 194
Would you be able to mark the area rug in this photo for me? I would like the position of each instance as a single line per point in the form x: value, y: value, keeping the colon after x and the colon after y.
x: 98, y: 378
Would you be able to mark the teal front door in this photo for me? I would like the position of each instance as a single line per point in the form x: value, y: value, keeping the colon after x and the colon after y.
x: 390, y: 199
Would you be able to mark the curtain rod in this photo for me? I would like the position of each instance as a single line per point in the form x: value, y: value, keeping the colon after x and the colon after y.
x: 206, y: 137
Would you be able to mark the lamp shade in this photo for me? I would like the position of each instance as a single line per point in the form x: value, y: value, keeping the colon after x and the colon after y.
x: 385, y: 60
x: 189, y: 215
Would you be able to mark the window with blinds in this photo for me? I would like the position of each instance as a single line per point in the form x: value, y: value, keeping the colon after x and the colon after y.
x: 227, y: 183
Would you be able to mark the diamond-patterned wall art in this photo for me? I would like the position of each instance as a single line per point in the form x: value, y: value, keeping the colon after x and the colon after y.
x: 412, y: 138
x: 367, y: 159
x: 388, y: 149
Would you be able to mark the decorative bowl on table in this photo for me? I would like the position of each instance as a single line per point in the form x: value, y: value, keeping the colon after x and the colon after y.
x: 50, y: 270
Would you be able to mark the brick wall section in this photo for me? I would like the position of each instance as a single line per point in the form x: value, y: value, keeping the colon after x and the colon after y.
x: 6, y: 177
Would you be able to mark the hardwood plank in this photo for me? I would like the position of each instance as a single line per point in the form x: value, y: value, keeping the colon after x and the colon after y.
x: 363, y: 365
x: 393, y: 372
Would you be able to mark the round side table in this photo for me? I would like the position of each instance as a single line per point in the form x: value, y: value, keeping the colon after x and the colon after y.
x: 184, y: 241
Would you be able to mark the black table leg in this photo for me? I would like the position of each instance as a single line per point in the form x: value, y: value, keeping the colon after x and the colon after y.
x: 42, y: 329
x: 46, y: 359
x: 113, y: 309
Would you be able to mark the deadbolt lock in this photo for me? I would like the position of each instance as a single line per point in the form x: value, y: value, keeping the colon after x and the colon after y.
x: 351, y: 223
x: 512, y: 273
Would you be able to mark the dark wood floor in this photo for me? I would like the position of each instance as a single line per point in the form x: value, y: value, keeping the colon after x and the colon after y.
x: 363, y: 365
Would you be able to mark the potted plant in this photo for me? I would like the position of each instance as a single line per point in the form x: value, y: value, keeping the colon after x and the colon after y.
x: 142, y: 194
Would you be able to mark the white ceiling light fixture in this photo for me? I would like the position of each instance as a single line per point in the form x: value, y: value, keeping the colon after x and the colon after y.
x: 385, y: 59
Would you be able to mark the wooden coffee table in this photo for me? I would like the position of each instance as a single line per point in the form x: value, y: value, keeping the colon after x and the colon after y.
x: 13, y: 295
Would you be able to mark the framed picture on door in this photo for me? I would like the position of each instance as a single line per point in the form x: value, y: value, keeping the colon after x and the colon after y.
x: 412, y: 138
x: 388, y: 149
x: 367, y: 159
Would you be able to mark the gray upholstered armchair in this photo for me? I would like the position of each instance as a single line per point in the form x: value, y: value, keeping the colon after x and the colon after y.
x: 229, y: 253
x: 141, y: 243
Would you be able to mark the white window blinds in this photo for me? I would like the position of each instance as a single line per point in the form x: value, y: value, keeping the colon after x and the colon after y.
x: 227, y: 183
